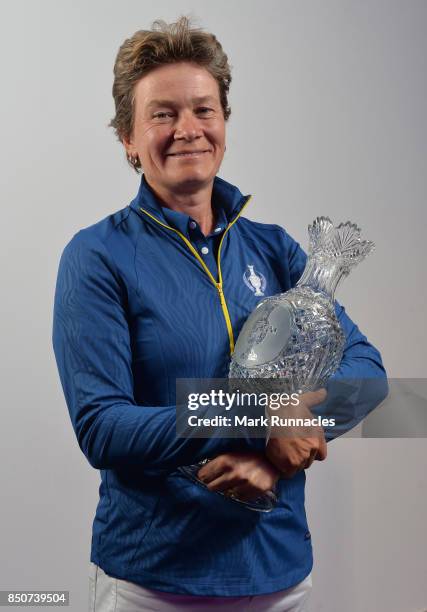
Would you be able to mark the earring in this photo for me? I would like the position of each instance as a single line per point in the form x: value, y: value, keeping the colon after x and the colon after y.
x: 133, y: 160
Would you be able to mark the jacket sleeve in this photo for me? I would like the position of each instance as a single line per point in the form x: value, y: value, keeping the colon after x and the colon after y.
x: 360, y: 383
x: 93, y: 353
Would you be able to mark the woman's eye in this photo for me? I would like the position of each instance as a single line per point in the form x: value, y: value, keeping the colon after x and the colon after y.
x: 162, y: 115
x: 165, y: 115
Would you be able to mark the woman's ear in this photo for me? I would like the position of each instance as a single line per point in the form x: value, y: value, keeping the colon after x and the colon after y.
x: 127, y: 143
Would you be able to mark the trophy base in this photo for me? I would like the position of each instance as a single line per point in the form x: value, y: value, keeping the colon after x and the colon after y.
x: 264, y: 503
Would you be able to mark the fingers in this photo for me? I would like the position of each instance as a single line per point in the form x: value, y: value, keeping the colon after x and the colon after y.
x: 322, y: 451
x: 295, y: 454
x: 249, y: 472
x: 218, y: 474
x: 312, y: 457
x: 210, y: 471
x: 223, y: 483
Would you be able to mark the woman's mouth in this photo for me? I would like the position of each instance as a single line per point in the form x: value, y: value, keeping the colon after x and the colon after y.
x: 187, y: 154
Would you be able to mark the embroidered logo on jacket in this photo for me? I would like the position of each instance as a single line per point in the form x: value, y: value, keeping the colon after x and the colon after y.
x: 254, y: 280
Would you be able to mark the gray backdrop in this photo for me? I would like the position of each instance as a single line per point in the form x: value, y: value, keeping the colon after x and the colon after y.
x: 328, y: 117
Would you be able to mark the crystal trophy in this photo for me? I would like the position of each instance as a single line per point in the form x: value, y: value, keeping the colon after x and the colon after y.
x: 295, y: 336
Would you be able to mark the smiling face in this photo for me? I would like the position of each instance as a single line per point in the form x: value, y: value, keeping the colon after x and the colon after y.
x: 179, y: 128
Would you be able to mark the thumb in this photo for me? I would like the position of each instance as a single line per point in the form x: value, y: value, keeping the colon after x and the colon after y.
x: 322, y: 451
x: 312, y: 398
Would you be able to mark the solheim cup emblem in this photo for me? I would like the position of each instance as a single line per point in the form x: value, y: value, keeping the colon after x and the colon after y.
x: 254, y: 280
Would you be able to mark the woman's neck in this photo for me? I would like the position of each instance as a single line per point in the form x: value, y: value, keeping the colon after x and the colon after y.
x: 194, y: 203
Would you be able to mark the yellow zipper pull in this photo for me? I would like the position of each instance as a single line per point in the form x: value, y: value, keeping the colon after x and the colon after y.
x: 226, y: 316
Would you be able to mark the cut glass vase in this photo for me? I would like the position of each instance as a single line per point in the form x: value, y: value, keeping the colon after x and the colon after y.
x: 295, y: 336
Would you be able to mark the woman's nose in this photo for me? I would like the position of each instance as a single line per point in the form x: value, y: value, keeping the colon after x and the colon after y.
x: 187, y: 127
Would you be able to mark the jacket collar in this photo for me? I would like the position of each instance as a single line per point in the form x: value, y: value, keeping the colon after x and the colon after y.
x: 226, y: 198
x: 181, y: 221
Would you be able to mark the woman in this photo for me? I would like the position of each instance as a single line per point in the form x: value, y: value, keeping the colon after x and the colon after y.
x: 156, y: 292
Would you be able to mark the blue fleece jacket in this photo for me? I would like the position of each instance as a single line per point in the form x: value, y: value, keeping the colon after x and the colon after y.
x: 135, y: 309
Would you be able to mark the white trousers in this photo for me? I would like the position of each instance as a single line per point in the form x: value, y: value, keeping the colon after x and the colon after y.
x: 108, y: 594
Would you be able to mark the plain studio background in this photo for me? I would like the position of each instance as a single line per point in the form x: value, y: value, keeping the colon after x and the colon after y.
x: 328, y: 117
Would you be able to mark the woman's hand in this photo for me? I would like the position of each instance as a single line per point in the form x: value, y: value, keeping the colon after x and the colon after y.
x: 294, y: 449
x: 247, y: 475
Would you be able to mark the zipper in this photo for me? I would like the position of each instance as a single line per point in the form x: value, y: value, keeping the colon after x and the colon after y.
x: 219, y: 285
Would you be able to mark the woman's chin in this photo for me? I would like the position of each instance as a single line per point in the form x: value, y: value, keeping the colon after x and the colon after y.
x: 192, y: 181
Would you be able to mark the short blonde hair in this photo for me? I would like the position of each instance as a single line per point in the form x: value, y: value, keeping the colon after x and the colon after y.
x: 164, y: 44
